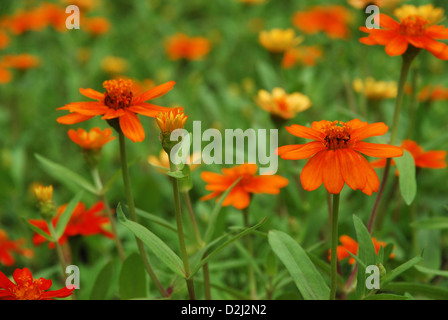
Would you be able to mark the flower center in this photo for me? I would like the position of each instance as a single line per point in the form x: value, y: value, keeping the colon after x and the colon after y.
x: 281, y: 103
x: 27, y: 291
x: 413, y: 26
x: 337, y: 136
x: 118, y: 93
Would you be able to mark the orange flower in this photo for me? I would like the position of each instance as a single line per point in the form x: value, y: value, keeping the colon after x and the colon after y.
x: 21, y: 61
x: 336, y: 154
x: 4, y: 40
x: 332, y: 20
x: 5, y: 76
x: 423, y: 159
x: 94, y: 139
x: 181, y: 46
x: 239, y: 196
x: 82, y: 222
x: 118, y: 102
x: 416, y: 28
x: 306, y: 55
x: 278, y: 40
x: 281, y: 104
x: 433, y: 93
x: 350, y: 245
x: 27, y: 288
x: 8, y: 246
x: 96, y: 26
x: 162, y: 162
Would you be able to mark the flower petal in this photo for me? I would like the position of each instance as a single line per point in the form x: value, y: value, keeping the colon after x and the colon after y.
x: 300, y: 151
x: 148, y: 109
x: 73, y: 118
x: 351, y: 171
x: 311, y: 175
x: 432, y: 159
x: 371, y: 130
x: 92, y: 94
x: 305, y: 132
x: 132, y: 127
x: 331, y: 175
x: 397, y: 46
x: 378, y: 150
x: 155, y: 92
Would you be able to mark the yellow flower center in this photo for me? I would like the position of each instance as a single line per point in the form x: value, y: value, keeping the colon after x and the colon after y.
x: 118, y: 93
x: 337, y: 135
x: 413, y: 26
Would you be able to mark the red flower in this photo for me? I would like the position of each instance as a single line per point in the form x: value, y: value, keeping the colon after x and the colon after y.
x: 82, y: 222
x: 7, y: 247
x: 27, y: 288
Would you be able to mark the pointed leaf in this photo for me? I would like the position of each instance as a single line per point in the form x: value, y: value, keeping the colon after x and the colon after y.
x: 133, y: 280
x: 407, y: 181
x: 66, y: 215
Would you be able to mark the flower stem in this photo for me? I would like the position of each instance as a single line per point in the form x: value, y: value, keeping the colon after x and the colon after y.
x: 408, y: 57
x: 334, y: 243
x: 58, y: 247
x: 252, y: 282
x: 131, y: 206
x: 180, y: 234
x: 99, y: 185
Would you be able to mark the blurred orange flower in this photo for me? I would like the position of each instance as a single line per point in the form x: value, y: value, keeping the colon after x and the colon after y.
x: 281, y: 104
x: 94, y: 139
x: 27, y: 288
x: 433, y: 93
x: 8, y: 246
x: 5, y: 76
x: 119, y: 102
x: 4, y: 39
x: 305, y: 55
x: 333, y: 20
x: 239, y: 196
x: 82, y: 222
x: 96, y: 25
x: 362, y: 4
x: 278, y: 40
x: 336, y: 154
x: 434, y: 159
x: 416, y: 28
x: 350, y: 245
x: 21, y: 61
x: 181, y: 46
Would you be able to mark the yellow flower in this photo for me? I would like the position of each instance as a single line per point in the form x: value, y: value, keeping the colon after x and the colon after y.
x: 279, y: 40
x: 375, y: 90
x: 361, y: 4
x: 171, y: 120
x: 162, y: 162
x: 44, y: 194
x: 114, y: 65
x: 427, y: 12
x: 281, y: 104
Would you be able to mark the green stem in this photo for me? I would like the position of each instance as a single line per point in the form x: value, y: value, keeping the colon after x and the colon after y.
x: 131, y: 206
x: 99, y: 185
x: 180, y: 234
x: 408, y: 57
x: 334, y: 243
x: 252, y: 281
x: 58, y: 247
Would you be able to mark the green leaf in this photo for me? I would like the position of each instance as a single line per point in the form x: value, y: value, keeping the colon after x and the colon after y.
x: 38, y: 230
x: 175, y: 174
x: 399, y: 270
x: 225, y: 244
x: 426, y: 290
x: 267, y: 75
x: 156, y: 219
x: 366, y: 254
x: 434, y: 223
x: 154, y: 243
x: 407, y: 181
x: 215, y: 212
x: 434, y: 272
x: 133, y: 282
x: 386, y: 296
x: 305, y: 275
x: 64, y: 175
x: 66, y: 215
x: 102, y: 283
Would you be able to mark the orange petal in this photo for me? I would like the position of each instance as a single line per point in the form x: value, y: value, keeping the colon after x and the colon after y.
x: 311, y: 175
x: 88, y: 108
x: 301, y: 151
x: 432, y: 159
x: 388, y: 22
x: 270, y: 184
x: 331, y: 175
x: 371, y: 130
x: 238, y: 198
x: 132, y: 127
x: 112, y: 113
x: 378, y: 150
x: 397, y: 46
x: 351, y: 171
x: 155, y: 92
x: 372, y: 181
x: 305, y: 132
x: 73, y: 118
x: 148, y: 109
x: 437, y: 32
x: 92, y: 94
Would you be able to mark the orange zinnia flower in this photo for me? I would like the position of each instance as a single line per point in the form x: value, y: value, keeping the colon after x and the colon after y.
x: 27, y: 288
x: 94, y: 139
x: 278, y: 40
x: 119, y: 101
x: 82, y: 222
x: 433, y: 93
x: 97, y: 25
x: 5, y: 76
x: 332, y: 20
x: 350, y: 245
x: 336, y: 154
x: 239, y: 196
x: 305, y: 55
x: 281, y: 104
x: 423, y: 159
x: 21, y: 61
x: 8, y: 246
x: 181, y: 46
x: 416, y: 27
x: 4, y: 39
